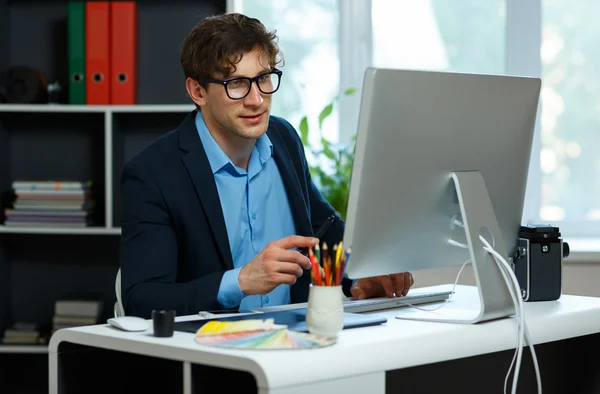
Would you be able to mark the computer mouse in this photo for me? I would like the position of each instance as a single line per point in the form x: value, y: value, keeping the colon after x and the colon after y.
x: 129, y: 323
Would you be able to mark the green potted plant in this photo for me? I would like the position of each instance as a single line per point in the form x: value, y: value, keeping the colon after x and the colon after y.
x: 333, y: 167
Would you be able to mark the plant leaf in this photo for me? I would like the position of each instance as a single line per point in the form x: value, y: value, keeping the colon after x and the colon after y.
x: 327, y: 151
x: 325, y: 112
x: 349, y: 91
x: 304, y: 130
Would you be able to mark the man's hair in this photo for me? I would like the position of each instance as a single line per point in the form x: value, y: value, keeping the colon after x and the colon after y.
x: 217, y: 43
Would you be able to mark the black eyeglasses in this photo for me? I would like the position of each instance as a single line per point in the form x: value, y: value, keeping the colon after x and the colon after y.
x: 239, y: 87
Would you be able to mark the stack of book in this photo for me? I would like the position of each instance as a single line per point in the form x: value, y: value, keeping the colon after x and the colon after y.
x: 75, y: 312
x: 23, y: 334
x: 50, y: 204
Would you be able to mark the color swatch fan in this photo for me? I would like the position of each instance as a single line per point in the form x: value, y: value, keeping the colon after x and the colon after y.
x: 257, y: 334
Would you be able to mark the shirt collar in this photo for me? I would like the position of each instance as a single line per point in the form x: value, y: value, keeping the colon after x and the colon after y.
x: 217, y: 158
x: 264, y: 147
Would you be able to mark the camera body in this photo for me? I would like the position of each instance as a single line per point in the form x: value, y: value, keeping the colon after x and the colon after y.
x: 538, y: 262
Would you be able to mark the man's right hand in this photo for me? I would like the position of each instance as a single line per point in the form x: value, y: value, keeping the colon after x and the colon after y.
x: 276, y: 265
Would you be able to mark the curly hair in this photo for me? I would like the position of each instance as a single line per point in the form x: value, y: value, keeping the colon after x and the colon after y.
x: 217, y: 43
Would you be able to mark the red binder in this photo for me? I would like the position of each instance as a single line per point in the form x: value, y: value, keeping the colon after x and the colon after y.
x: 97, y: 56
x: 123, y: 52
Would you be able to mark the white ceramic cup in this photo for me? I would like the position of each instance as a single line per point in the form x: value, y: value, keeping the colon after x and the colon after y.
x: 325, y: 311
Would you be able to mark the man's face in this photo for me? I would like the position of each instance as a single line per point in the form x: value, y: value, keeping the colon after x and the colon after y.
x: 246, y: 118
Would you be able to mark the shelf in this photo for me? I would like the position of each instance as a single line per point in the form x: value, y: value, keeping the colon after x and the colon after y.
x: 65, y: 108
x: 37, y: 349
x: 66, y: 231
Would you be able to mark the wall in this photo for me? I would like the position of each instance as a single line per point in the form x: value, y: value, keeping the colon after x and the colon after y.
x: 579, y: 278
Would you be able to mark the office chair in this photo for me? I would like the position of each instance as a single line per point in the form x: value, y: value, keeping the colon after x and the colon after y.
x: 118, y: 308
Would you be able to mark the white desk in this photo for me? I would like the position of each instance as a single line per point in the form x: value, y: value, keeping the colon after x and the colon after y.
x: 356, y: 364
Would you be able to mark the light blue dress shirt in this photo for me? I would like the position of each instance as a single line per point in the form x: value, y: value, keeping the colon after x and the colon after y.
x: 256, y: 211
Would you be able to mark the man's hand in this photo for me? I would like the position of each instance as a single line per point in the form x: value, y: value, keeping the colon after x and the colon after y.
x: 275, y: 265
x: 395, y: 285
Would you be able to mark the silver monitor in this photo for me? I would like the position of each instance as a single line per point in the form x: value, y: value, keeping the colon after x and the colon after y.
x: 434, y: 150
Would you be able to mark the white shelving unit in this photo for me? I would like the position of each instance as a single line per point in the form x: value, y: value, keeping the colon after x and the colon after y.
x: 65, y: 231
x: 33, y: 349
x: 76, y: 142
x: 80, y: 142
x: 64, y: 108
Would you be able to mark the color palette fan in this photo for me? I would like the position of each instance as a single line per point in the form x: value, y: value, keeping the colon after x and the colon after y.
x: 257, y: 334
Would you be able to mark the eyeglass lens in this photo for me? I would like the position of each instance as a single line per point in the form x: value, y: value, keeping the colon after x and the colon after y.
x: 239, y: 88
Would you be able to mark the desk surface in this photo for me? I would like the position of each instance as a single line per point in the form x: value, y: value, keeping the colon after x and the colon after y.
x: 393, y: 345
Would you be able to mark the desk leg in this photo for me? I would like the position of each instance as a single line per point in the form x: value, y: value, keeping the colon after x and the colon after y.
x: 373, y: 383
x: 53, y: 373
x: 187, y: 377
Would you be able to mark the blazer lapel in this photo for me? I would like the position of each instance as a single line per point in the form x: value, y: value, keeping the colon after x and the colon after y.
x: 198, y: 168
x: 299, y: 206
x: 292, y: 185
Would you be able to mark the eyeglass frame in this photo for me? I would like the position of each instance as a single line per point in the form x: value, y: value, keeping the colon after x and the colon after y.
x: 224, y: 82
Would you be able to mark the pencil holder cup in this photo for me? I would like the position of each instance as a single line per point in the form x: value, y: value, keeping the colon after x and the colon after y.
x: 325, y: 311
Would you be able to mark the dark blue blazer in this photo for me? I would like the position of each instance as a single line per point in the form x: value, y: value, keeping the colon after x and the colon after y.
x: 174, y: 244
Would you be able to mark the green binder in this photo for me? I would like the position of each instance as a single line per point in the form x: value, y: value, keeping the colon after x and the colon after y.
x: 76, y: 51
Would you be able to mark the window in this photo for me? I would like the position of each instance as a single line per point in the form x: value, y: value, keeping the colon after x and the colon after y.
x: 491, y: 37
x: 463, y: 36
x: 308, y: 40
x: 570, y: 116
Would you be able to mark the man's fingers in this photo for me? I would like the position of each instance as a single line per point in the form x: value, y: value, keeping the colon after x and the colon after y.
x: 369, y: 287
x: 296, y: 241
x: 292, y: 256
x: 285, y: 279
x: 388, y: 287
x: 358, y: 293
x: 407, y: 283
x: 289, y: 268
x: 399, y: 283
x: 382, y: 286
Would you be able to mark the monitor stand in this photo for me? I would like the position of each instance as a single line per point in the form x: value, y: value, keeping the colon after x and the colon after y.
x: 495, y: 301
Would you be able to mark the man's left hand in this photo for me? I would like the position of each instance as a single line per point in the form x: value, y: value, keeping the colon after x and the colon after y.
x: 394, y: 285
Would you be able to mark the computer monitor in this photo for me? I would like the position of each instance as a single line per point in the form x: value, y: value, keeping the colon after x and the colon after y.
x: 434, y: 149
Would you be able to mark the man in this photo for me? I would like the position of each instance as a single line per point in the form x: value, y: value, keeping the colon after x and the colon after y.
x: 215, y: 211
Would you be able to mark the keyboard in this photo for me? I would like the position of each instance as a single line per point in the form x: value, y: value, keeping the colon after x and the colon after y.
x: 377, y: 304
x: 373, y: 304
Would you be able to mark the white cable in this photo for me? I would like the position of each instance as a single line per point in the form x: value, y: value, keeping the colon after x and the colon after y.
x: 458, y: 223
x: 523, y: 336
x: 515, y: 298
x: 452, y: 242
x: 446, y: 300
x: 520, y: 326
x: 522, y: 331
x: 519, y: 315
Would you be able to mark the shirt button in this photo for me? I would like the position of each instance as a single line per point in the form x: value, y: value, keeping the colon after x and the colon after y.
x: 266, y: 299
x: 253, y: 216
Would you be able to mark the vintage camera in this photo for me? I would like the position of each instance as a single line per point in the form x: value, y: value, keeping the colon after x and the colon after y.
x: 538, y: 262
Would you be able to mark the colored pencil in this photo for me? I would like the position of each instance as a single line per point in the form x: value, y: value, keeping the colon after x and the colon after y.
x: 328, y: 268
x: 315, y: 267
x: 324, y: 253
x: 338, y: 271
x: 347, y: 257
